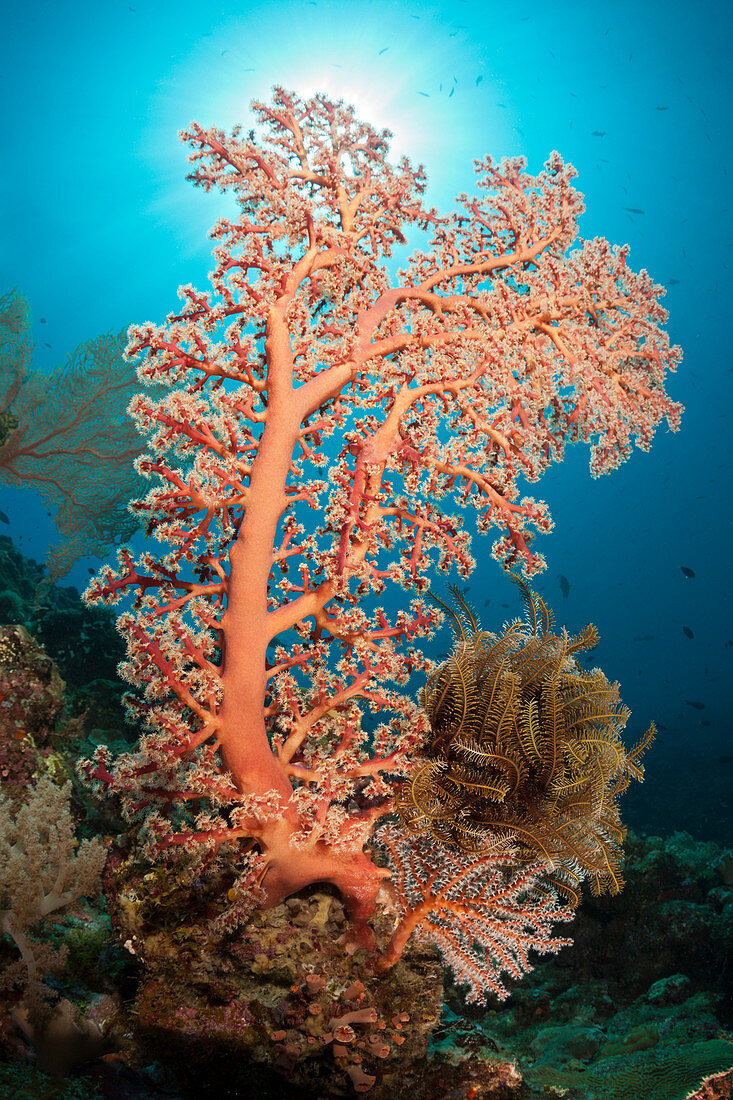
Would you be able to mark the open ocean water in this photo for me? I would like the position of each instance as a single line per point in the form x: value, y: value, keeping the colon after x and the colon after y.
x: 100, y: 227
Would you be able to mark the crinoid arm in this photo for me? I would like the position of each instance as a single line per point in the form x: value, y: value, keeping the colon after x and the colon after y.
x: 526, y: 745
x: 463, y: 618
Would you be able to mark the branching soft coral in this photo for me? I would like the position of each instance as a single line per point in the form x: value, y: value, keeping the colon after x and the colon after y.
x: 484, y: 915
x: 466, y: 374
x: 40, y: 872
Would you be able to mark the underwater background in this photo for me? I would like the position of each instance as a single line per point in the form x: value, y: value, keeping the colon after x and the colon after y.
x: 100, y: 226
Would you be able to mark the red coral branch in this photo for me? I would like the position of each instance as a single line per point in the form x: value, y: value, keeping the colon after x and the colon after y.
x: 484, y: 915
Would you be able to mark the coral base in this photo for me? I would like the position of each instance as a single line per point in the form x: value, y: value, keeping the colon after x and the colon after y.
x: 281, y: 993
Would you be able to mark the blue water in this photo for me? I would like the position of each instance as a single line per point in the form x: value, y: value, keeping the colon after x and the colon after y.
x: 100, y: 227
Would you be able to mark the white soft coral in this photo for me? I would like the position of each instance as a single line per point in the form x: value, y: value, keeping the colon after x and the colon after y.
x: 42, y: 869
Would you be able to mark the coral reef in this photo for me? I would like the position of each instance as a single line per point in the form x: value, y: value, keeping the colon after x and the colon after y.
x: 580, y: 1025
x: 248, y: 887
x: 82, y: 642
x: 457, y: 377
x: 32, y: 701
x: 281, y: 991
x: 642, y: 1002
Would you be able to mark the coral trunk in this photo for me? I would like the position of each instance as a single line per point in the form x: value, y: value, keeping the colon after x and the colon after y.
x: 353, y: 873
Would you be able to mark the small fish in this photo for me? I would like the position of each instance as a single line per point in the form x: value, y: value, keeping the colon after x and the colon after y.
x: 478, y: 80
x: 725, y: 759
x: 661, y: 108
x: 688, y: 632
x: 43, y: 320
x: 382, y: 51
x: 599, y: 133
x: 633, y: 209
x: 426, y: 94
x: 673, y: 282
x: 487, y: 602
x: 694, y: 703
x: 4, y: 518
x: 451, y: 92
x: 687, y: 571
x: 91, y: 572
x: 564, y: 585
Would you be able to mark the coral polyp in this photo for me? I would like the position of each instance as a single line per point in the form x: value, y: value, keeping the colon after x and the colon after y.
x: 525, y: 747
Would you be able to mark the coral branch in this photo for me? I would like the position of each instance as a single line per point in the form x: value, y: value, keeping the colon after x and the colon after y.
x: 484, y: 918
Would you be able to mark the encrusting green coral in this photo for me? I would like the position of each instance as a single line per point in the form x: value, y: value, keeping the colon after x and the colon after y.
x: 665, y: 1074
